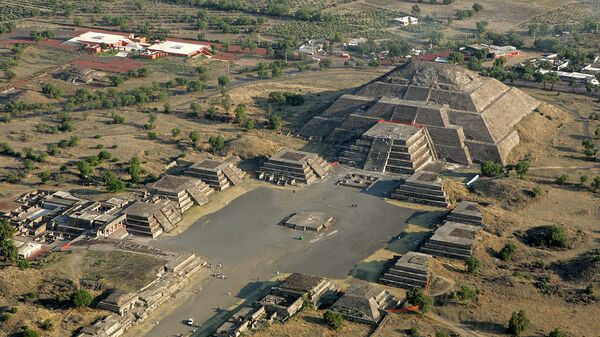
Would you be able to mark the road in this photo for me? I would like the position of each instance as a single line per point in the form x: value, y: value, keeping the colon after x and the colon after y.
x: 245, y: 238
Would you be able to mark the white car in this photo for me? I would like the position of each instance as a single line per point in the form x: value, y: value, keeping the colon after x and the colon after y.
x: 190, y: 321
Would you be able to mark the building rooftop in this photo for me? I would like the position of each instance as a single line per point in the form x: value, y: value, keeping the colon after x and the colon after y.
x: 176, y: 47
x: 98, y: 37
x: 301, y: 282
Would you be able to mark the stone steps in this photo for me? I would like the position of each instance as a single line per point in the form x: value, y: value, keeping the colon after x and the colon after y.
x: 445, y: 251
x: 421, y: 201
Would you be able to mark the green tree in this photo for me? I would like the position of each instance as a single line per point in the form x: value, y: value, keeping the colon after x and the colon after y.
x: 275, y: 122
x: 518, y: 323
x: 194, y: 137
x: 481, y: 26
x: 416, y: 296
x: 85, y: 169
x: 522, y: 168
x: 508, y: 252
x: 112, y: 182
x: 195, y: 107
x: 27, y: 332
x: 325, y: 63
x: 333, y: 320
x: 249, y: 125
x: 223, y: 81
x: 557, y: 333
x: 81, y: 298
x: 8, y: 251
x: 46, y: 324
x: 562, y: 179
x: 477, y: 7
x: 134, y: 169
x: 240, y: 114
x: 491, y: 169
x: 596, y: 183
x: 583, y: 179
x: 175, y: 132
x: 44, y: 176
x: 473, y: 265
x: 217, y: 143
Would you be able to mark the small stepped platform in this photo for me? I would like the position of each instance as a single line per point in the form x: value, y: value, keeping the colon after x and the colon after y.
x: 217, y: 174
x: 452, y: 240
x: 423, y: 187
x: 410, y: 271
x: 294, y: 167
x: 466, y: 212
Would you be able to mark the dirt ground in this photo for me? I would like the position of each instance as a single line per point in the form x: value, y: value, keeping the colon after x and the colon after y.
x: 41, y: 293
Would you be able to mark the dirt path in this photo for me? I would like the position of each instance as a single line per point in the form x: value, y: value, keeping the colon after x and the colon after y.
x: 456, y: 327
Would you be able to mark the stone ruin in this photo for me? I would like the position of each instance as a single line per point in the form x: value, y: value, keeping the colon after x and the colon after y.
x: 184, y: 191
x: 311, y: 221
x: 410, y: 271
x: 452, y: 240
x: 466, y: 212
x: 218, y: 174
x: 390, y: 147
x: 294, y: 167
x: 468, y: 117
x: 422, y: 187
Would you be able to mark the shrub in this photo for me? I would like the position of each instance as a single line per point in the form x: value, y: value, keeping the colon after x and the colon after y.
x: 548, y: 236
x: 508, y: 251
x: 473, y: 265
x: 4, y: 317
x: 518, y: 323
x: 414, y: 332
x: 556, y: 333
x: 12, y: 310
x: 467, y: 293
x: 81, y: 298
x: 441, y: 334
x: 333, y: 319
x: 217, y: 143
x: 491, y: 169
x: 416, y: 296
x: 27, y: 332
x: 46, y: 324
x: 562, y: 179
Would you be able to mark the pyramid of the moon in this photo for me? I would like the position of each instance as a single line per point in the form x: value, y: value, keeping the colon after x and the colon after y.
x: 467, y: 117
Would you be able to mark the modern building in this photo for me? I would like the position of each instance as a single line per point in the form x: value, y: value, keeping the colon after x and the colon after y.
x: 184, y: 191
x: 406, y: 20
x: 217, y: 174
x: 579, y: 78
x: 293, y: 167
x: 494, y: 51
x: 390, y: 147
x: 179, y: 48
